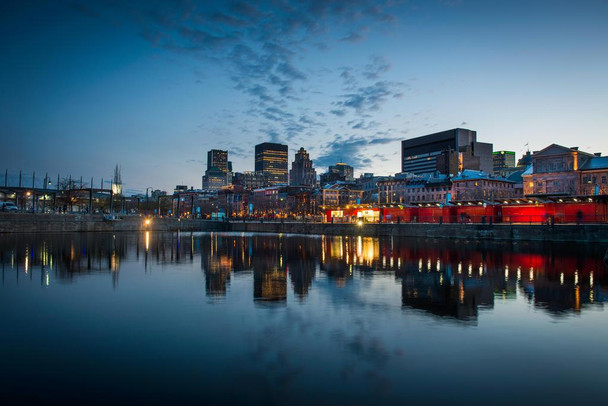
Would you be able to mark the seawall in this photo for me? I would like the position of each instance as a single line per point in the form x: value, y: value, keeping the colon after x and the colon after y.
x: 506, y: 232
x: 49, y: 223
x: 52, y: 223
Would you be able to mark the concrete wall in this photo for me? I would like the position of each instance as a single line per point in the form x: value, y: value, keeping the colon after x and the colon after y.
x: 590, y: 233
x: 45, y: 223
x: 49, y: 223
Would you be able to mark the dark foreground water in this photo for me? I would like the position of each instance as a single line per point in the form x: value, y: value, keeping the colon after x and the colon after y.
x: 266, y: 319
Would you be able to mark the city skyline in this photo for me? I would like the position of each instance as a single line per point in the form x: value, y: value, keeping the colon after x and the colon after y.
x: 153, y: 86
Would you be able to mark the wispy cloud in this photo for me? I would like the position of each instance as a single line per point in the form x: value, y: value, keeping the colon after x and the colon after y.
x: 259, y: 44
x: 350, y: 149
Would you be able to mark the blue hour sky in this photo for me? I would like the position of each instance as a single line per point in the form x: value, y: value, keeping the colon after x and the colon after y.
x: 153, y: 85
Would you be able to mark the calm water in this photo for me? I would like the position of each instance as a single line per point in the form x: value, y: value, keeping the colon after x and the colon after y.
x: 263, y: 319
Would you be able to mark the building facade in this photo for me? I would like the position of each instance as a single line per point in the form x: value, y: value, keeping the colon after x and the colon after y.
x: 415, y: 189
x: 555, y: 171
x: 302, y: 171
x: 477, y: 185
x: 272, y: 161
x: 501, y: 161
x: 594, y: 176
x: 340, y: 194
x: 420, y: 155
x: 219, y: 170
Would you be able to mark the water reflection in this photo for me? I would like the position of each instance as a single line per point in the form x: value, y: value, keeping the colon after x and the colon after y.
x: 444, y: 278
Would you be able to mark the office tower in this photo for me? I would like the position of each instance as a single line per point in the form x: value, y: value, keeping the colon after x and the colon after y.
x: 302, y: 172
x: 217, y: 158
x: 503, y: 160
x: 446, y: 151
x: 272, y: 161
x: 219, y: 170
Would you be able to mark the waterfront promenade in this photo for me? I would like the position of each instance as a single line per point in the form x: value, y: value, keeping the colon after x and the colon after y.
x: 47, y: 223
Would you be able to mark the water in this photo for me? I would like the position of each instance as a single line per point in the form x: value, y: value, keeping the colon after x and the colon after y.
x: 266, y: 319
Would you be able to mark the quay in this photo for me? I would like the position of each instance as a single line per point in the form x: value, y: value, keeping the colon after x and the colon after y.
x: 50, y: 223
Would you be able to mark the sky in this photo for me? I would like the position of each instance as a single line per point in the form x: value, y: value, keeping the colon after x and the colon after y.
x: 153, y: 85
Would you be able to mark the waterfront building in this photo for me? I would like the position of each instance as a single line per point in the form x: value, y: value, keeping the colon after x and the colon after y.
x: 415, y: 189
x: 594, y: 176
x: 340, y: 194
x: 448, y: 152
x: 477, y: 185
x: 302, y: 171
x: 369, y: 184
x: 272, y: 161
x: 555, y: 171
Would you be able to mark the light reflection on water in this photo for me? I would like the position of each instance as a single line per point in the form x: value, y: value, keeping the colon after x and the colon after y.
x: 222, y: 318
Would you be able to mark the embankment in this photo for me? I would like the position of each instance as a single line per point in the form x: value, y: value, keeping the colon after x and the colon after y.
x: 49, y: 223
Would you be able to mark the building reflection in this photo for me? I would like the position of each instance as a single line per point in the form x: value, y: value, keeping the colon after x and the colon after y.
x: 455, y: 279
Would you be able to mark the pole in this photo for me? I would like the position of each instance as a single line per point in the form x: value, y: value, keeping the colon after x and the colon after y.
x: 33, y: 179
x: 19, y: 177
x: 6, y: 177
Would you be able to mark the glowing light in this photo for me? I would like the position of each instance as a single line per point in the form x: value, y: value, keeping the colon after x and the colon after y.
x: 561, y: 278
x: 531, y: 275
x: 147, y: 241
x: 591, y: 279
x: 576, y: 277
x: 506, y: 272
x: 518, y: 273
x: 460, y: 267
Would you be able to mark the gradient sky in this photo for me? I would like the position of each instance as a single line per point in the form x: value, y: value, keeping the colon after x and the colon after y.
x: 153, y: 85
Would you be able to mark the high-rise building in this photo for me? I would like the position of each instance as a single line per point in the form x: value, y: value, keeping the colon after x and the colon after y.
x: 272, y: 161
x: 219, y: 170
x: 217, y: 158
x: 503, y: 160
x: 446, y: 151
x: 302, y: 172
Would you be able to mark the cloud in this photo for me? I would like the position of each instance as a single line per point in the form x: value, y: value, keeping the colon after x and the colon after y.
x: 370, y: 98
x: 350, y: 150
x: 376, y: 67
x: 260, y: 44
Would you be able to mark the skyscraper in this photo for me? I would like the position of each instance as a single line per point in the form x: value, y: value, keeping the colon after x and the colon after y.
x: 218, y: 173
x: 217, y: 158
x: 271, y: 160
x: 302, y: 172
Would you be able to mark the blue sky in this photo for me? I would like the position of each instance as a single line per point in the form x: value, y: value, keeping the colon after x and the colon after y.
x: 153, y: 85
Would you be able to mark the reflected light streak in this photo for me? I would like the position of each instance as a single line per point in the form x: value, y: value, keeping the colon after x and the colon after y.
x: 518, y: 273
x: 576, y: 277
x: 147, y: 241
x: 561, y: 278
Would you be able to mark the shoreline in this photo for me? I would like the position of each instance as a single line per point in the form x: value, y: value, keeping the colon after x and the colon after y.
x: 56, y: 223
